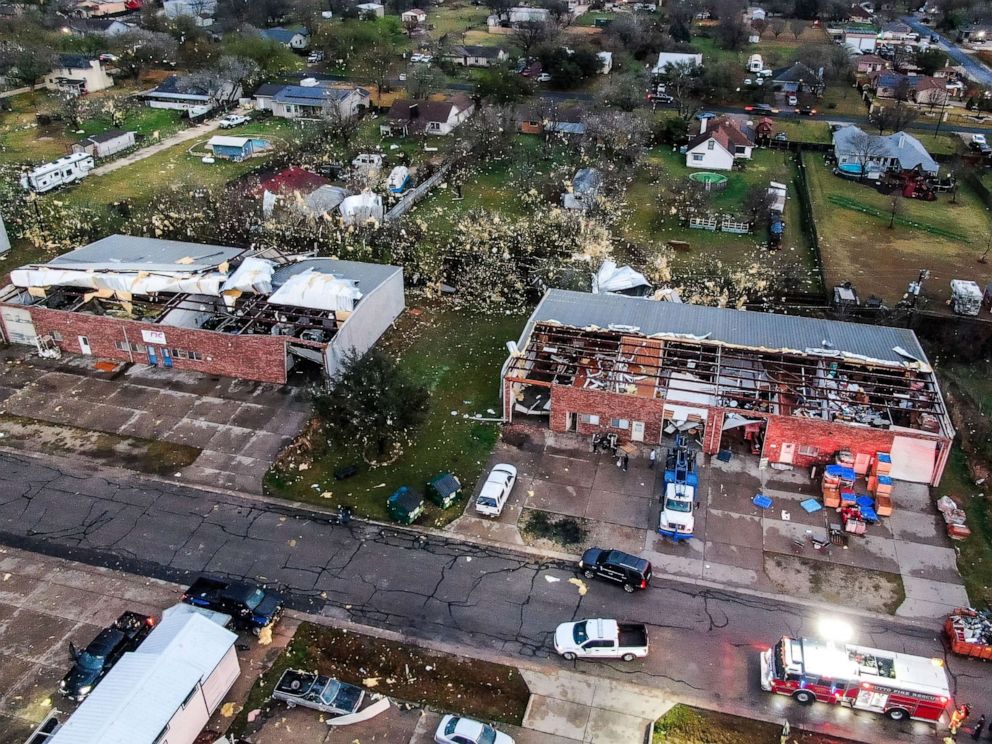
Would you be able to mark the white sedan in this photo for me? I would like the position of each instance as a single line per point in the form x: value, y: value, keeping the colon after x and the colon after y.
x: 978, y: 139
x: 496, y: 490
x: 457, y: 730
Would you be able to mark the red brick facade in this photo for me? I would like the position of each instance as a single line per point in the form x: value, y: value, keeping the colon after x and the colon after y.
x: 803, y: 433
x: 251, y: 357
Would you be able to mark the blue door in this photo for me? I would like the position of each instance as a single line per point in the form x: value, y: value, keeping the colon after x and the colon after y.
x: 166, y: 358
x: 152, y: 358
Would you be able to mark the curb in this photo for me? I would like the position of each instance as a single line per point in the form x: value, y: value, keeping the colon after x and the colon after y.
x: 536, y: 553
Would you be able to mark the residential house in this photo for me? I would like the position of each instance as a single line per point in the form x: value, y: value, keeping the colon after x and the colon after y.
x: 476, y: 55
x: 105, y: 144
x: 899, y: 151
x: 79, y: 74
x: 99, y: 26
x: 897, y: 32
x: 202, y: 11
x: 371, y: 11
x: 586, y: 185
x: 296, y: 39
x: 514, y: 17
x: 975, y: 34
x: 859, y: 39
x: 313, y: 100
x: 921, y: 89
x: 719, y: 143
x: 415, y: 17
x: 798, y: 78
x: 866, y: 64
x: 674, y: 58
x: 427, y: 117
x: 176, y: 92
x: 264, y: 94
x: 101, y: 8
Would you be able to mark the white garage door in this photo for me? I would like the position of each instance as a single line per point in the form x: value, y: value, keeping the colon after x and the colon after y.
x: 913, y: 459
x: 20, y: 327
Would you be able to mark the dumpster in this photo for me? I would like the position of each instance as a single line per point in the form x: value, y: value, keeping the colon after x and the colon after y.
x: 405, y: 505
x: 443, y: 489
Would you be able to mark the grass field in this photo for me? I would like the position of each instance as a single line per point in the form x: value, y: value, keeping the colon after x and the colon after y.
x: 685, y: 725
x: 458, y: 357
x: 456, y: 19
x: 649, y: 230
x: 859, y: 247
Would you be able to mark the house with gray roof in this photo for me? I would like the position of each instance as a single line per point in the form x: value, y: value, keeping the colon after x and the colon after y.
x: 789, y: 391
x: 296, y: 39
x: 312, y: 99
x: 585, y: 188
x: 476, y: 55
x: 898, y: 151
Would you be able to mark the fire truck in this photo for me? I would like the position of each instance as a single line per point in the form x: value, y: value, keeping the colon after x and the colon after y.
x: 898, y: 686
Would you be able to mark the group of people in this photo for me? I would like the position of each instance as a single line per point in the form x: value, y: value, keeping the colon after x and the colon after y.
x: 602, y: 440
x: 958, y: 718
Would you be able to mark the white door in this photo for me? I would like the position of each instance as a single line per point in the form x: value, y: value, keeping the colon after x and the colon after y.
x: 787, y: 453
x: 19, y: 325
x: 84, y: 346
x: 637, y: 431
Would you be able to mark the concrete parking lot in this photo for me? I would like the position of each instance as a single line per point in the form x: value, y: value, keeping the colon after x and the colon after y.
x: 736, y: 543
x: 239, y: 426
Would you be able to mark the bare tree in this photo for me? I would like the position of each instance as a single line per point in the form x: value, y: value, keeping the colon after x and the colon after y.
x: 618, y: 134
x: 337, y: 125
x: 936, y: 99
x: 895, y: 209
x: 777, y: 25
x: 731, y: 31
x: 866, y: 148
x: 423, y: 81
x: 797, y: 26
x: 681, y: 81
x: 893, y: 118
x: 224, y: 82
x: 528, y: 35
x: 26, y: 64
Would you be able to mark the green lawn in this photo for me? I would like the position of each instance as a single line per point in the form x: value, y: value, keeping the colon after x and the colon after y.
x: 143, y: 120
x: 456, y: 18
x: 842, y: 100
x: 941, y: 236
x: 458, y: 357
x: 589, y: 19
x: 650, y: 231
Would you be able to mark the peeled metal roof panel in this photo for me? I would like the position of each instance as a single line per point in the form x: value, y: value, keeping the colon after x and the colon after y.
x: 128, y: 252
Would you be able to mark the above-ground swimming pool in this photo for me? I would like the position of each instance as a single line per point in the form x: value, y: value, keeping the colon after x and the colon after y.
x: 710, y: 180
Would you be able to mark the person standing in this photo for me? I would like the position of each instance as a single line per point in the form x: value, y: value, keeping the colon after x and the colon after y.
x: 626, y: 461
x: 979, y: 725
x: 652, y: 457
x: 957, y: 718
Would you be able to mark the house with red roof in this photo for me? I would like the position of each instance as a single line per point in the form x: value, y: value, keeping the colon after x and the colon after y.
x: 719, y: 143
x: 291, y: 180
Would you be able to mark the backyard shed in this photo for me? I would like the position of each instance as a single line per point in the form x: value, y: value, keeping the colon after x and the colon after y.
x: 105, y: 144
x: 231, y: 148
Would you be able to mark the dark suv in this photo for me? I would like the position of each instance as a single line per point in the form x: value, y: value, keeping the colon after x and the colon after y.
x: 93, y: 662
x: 629, y: 571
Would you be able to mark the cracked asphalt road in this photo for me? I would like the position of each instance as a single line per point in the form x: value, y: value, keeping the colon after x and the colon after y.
x: 704, y: 640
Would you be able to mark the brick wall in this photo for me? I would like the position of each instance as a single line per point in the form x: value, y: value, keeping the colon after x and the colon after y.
x: 829, y: 437
x: 250, y: 357
x: 566, y: 399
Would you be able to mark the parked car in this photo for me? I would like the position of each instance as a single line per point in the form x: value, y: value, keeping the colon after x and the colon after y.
x: 233, y: 120
x: 250, y: 606
x: 631, y: 572
x: 315, y: 56
x: 459, y: 730
x: 93, y: 662
x: 421, y: 58
x: 321, y: 693
x: 806, y: 111
x: 781, y: 137
x: 660, y: 97
x: 748, y: 82
x: 978, y: 141
x: 601, y: 639
x: 762, y: 109
x: 793, y: 100
x: 544, y: 77
x: 496, y: 490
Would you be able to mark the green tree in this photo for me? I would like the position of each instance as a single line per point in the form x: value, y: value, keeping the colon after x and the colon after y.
x: 371, y: 406
x: 26, y: 64
x: 271, y: 56
x: 500, y: 84
x: 930, y: 60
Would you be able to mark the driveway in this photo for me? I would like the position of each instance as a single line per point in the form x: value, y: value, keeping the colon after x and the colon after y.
x: 197, y: 132
x: 736, y: 543
x: 239, y: 426
x: 973, y: 67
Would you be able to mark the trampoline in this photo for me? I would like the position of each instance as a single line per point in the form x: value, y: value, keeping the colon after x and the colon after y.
x: 712, y: 181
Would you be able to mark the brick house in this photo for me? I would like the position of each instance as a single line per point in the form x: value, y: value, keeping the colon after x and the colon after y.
x: 869, y: 63
x: 788, y: 390
x: 211, y: 309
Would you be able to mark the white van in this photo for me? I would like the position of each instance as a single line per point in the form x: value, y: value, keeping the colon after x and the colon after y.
x: 755, y: 63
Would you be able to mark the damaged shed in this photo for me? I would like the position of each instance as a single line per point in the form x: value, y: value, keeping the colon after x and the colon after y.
x: 792, y: 391
x: 213, y: 309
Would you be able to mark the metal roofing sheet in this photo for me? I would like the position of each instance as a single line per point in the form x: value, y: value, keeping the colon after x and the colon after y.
x: 369, y: 276
x: 131, y: 253
x: 724, y: 326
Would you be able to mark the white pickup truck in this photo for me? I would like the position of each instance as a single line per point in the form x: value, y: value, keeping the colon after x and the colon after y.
x: 601, y: 639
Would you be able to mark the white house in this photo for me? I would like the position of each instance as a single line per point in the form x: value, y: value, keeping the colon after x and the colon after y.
x: 105, y: 144
x: 413, y: 17
x: 719, y: 142
x: 898, y: 151
x: 100, y: 26
x: 476, y: 55
x: 174, y: 93
x: 674, y: 58
x: 859, y: 39
x: 76, y: 73
x: 291, y: 38
x: 529, y: 15
x: 427, y: 117
x: 165, y: 691
x: 312, y: 101
x: 202, y: 11
x: 371, y: 10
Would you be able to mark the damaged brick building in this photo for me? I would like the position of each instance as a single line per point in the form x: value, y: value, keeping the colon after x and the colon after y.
x: 212, y: 309
x: 789, y: 390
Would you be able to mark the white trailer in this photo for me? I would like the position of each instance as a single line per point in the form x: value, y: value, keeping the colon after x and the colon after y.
x: 65, y: 170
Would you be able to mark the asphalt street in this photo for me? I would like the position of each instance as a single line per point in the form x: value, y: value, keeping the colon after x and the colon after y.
x: 976, y: 69
x: 704, y: 640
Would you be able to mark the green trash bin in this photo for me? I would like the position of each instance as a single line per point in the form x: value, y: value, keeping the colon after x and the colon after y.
x: 405, y: 505
x: 443, y: 489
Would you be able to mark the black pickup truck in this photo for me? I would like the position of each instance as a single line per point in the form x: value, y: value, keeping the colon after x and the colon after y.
x: 93, y: 662
x: 250, y: 606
